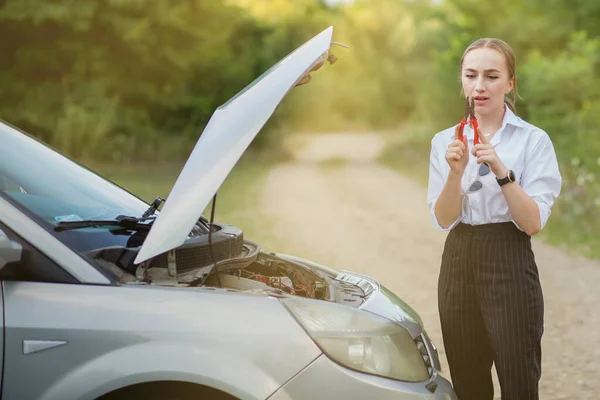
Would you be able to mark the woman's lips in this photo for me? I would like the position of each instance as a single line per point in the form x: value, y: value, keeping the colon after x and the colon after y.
x: 480, y: 100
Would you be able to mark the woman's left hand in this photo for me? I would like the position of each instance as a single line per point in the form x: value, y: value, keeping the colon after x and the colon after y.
x: 485, y: 152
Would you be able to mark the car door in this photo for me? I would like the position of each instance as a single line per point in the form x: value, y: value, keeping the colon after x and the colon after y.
x: 35, y: 347
x: 1, y: 337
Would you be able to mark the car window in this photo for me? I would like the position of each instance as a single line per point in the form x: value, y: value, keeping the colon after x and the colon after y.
x: 34, y: 265
x: 7, y: 185
x: 51, y: 188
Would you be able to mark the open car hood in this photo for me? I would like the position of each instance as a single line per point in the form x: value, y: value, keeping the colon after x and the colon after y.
x: 226, y: 137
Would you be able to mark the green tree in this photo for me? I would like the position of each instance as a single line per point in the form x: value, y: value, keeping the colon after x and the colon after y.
x: 110, y: 79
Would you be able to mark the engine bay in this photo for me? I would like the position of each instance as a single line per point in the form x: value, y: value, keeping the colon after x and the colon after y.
x: 250, y: 270
x: 246, y: 268
x: 270, y: 271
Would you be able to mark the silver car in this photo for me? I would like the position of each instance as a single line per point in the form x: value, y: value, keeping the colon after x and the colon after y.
x: 104, y: 296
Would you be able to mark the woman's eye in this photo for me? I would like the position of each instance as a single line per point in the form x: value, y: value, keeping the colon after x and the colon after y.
x: 493, y: 77
x: 470, y: 76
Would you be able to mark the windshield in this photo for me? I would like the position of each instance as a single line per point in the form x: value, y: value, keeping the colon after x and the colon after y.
x: 51, y: 189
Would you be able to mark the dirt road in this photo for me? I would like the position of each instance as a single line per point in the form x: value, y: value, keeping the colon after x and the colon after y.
x: 352, y: 213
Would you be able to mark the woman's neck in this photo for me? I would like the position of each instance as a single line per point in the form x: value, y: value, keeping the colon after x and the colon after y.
x: 491, y: 122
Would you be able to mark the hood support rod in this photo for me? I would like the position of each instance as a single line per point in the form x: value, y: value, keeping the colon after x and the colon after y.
x: 210, y: 246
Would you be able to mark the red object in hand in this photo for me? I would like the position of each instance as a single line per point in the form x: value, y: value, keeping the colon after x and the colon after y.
x: 473, y: 119
x: 475, y: 129
x: 464, y: 121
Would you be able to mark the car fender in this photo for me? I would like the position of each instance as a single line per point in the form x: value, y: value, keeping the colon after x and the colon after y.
x: 166, y: 361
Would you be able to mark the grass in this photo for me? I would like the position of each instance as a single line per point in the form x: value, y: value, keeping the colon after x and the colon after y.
x: 411, y: 157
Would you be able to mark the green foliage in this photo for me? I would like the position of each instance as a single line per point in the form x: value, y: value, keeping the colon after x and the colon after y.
x: 563, y: 97
x: 107, y: 79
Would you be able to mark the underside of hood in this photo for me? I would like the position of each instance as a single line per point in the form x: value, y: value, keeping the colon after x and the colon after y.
x: 226, y: 137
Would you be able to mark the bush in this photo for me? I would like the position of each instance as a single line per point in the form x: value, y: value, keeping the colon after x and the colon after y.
x: 563, y: 98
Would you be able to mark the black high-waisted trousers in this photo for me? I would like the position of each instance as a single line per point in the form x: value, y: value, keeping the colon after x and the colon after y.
x: 491, y: 310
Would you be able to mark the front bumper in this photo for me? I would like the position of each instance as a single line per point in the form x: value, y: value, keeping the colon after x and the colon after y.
x: 324, y: 379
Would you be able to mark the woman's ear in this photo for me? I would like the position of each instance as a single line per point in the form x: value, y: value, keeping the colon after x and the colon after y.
x: 511, y: 85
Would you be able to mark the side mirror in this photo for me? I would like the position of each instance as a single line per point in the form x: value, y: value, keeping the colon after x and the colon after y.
x: 10, y: 251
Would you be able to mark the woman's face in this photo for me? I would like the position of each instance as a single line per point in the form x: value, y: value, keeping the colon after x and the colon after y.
x: 485, y: 78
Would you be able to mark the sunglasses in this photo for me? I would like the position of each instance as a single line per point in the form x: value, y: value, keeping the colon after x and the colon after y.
x: 484, y: 169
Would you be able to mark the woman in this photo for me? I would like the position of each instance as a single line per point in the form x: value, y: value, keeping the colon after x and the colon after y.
x: 492, y: 197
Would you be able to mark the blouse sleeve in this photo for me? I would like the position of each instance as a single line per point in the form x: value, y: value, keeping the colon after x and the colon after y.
x: 437, y: 180
x: 541, y: 177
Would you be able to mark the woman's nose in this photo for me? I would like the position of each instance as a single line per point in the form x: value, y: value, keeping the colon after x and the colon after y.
x: 479, y: 87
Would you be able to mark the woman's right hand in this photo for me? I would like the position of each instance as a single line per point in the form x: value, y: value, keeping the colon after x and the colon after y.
x: 457, y: 154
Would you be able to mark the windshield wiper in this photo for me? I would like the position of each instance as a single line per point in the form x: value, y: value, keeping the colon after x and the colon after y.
x: 124, y: 221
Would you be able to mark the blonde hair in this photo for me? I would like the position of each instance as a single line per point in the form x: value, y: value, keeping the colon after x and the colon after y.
x: 511, y: 63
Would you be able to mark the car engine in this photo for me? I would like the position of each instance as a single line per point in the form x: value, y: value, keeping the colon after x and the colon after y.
x: 239, y: 265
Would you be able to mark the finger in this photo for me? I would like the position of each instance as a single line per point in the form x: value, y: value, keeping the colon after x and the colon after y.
x: 459, y: 145
x: 456, y: 143
x: 482, y: 152
x: 456, y: 150
x: 453, y: 157
x: 479, y: 147
x: 485, y: 158
x: 482, y: 138
x: 316, y: 67
x: 305, y: 79
x: 453, y: 152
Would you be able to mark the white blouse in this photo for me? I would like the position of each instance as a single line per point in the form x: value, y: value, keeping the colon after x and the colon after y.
x: 522, y: 147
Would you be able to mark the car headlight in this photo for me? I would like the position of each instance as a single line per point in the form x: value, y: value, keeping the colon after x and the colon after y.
x: 360, y: 340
